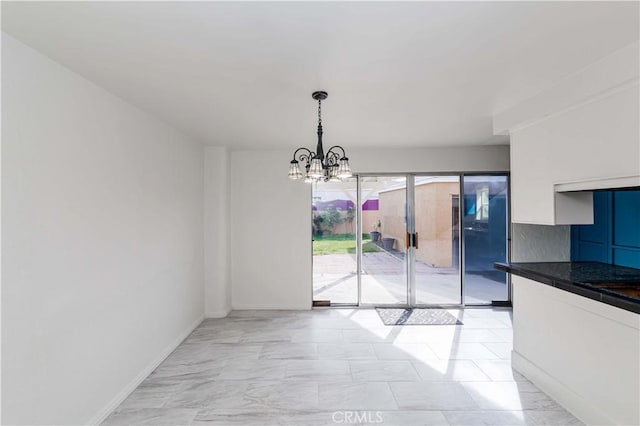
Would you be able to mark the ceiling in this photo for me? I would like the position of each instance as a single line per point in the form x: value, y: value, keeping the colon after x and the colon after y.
x: 398, y: 74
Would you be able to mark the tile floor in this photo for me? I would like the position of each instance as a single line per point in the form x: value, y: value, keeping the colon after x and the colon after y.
x: 341, y: 366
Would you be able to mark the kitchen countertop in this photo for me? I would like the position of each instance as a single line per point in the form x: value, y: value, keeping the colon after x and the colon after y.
x: 580, y: 277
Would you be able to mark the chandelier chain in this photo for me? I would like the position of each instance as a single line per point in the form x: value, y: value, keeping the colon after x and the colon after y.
x: 319, y: 111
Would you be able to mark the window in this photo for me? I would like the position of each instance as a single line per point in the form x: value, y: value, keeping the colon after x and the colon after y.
x: 482, y: 203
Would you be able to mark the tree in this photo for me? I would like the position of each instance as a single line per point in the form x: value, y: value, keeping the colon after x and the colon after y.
x: 351, y: 214
x: 331, y: 217
x: 317, y: 224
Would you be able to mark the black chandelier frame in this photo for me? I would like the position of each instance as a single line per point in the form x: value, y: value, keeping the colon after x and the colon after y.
x: 334, y: 163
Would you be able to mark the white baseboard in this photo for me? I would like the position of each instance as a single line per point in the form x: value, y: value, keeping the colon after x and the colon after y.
x: 271, y: 308
x: 577, y: 405
x: 217, y: 314
x: 124, y: 393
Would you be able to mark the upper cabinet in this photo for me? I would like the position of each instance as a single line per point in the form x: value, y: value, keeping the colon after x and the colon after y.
x: 590, y: 147
x: 583, y: 135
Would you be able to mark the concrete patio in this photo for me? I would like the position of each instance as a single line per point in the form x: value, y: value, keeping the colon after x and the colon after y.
x: 384, y: 281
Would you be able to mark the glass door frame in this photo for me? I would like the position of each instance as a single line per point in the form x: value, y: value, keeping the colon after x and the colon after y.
x: 409, y: 179
x: 411, y: 222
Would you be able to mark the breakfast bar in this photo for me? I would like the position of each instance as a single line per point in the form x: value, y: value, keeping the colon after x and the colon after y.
x: 614, y: 285
x: 576, y: 335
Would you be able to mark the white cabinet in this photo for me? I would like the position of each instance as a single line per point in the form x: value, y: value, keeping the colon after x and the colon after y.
x: 531, y: 194
x: 595, y: 143
x: 582, y: 352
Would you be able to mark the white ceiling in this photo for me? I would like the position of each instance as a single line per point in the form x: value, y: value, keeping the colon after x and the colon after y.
x: 398, y: 74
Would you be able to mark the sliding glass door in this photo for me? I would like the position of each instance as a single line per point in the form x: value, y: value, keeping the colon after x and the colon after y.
x: 437, y: 254
x: 410, y: 240
x: 384, y: 255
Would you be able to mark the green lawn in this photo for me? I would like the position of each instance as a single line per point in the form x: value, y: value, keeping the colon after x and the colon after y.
x: 341, y: 244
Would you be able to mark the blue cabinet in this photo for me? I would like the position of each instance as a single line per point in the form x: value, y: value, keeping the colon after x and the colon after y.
x: 615, y: 235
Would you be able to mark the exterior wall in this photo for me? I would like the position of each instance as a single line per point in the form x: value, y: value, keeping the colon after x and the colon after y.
x: 369, y: 219
x: 392, y: 216
x: 345, y: 227
x: 433, y: 221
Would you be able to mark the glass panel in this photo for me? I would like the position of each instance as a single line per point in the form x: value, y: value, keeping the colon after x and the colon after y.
x: 437, y: 270
x: 334, y: 241
x: 485, y: 238
x: 384, y: 226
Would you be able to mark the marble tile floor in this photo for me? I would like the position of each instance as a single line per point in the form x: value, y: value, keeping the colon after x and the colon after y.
x: 341, y: 366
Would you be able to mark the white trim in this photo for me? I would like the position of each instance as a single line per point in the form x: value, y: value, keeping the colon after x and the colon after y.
x: 102, y: 415
x: 530, y: 222
x: 270, y: 308
x: 598, y: 183
x: 217, y: 314
x: 584, y: 410
x: 546, y: 116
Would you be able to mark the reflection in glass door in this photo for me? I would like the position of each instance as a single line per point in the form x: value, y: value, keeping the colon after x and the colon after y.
x: 437, y: 270
x: 485, y: 223
x: 384, y: 226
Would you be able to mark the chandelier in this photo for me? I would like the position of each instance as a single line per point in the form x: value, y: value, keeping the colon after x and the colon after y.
x: 330, y: 167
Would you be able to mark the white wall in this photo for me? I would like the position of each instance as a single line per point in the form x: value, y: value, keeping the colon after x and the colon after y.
x: 271, y: 215
x: 270, y: 233
x: 451, y: 159
x: 217, y: 283
x: 102, y: 268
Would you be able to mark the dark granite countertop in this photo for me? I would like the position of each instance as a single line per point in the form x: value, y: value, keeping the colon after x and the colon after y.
x: 582, y: 278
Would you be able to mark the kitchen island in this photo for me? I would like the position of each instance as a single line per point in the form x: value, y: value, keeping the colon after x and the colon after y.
x: 577, y: 336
